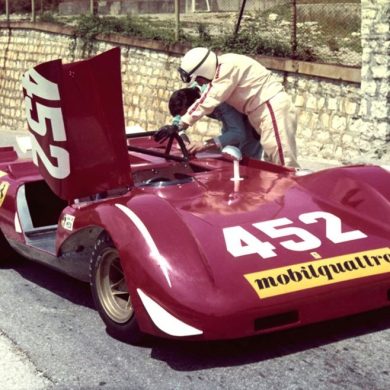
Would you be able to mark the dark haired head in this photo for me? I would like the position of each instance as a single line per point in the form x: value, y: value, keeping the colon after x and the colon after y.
x: 182, y: 99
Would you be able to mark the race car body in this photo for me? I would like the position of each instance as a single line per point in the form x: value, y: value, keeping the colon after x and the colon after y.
x: 180, y: 246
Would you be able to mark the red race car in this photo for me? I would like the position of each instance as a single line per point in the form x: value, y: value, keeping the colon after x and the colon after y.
x: 205, y: 247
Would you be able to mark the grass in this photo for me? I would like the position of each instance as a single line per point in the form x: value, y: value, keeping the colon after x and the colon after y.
x: 319, y: 38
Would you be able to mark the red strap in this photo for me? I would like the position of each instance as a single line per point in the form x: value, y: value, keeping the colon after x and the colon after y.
x: 277, y: 134
x: 204, y: 94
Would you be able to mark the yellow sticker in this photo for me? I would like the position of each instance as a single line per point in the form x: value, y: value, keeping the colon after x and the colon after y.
x: 3, y: 191
x: 313, y: 274
x: 2, y: 173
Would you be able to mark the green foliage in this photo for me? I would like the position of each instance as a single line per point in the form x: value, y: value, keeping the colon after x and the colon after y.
x: 258, y: 36
x: 333, y: 44
x: 203, y: 32
x: 320, y: 36
x: 245, y: 43
x: 87, y: 27
x: 48, y: 17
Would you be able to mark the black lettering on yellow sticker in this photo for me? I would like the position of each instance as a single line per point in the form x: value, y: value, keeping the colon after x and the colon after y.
x: 323, y: 272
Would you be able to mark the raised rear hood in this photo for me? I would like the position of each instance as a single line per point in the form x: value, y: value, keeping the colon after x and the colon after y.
x: 75, y: 116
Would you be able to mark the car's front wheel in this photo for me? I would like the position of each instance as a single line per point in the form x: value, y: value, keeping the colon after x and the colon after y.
x: 6, y: 252
x: 110, y: 292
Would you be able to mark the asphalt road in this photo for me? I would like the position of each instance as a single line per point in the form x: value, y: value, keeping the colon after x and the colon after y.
x: 52, y: 337
x: 49, y: 321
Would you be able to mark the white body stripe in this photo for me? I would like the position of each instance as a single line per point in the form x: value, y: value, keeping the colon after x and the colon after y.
x: 154, y: 252
x: 18, y: 229
x: 166, y: 321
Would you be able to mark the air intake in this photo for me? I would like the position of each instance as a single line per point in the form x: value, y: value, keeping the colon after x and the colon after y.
x: 276, y: 320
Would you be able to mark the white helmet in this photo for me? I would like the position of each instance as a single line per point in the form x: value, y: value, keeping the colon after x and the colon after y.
x: 198, y: 62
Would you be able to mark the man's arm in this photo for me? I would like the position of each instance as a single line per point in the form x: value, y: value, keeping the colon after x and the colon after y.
x: 233, y: 130
x: 233, y: 126
x: 221, y: 87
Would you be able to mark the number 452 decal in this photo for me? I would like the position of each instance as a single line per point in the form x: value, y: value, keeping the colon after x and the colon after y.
x: 239, y: 242
x: 36, y: 86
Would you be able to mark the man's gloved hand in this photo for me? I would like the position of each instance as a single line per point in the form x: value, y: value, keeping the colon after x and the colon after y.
x: 195, y: 147
x: 184, y: 137
x: 165, y: 132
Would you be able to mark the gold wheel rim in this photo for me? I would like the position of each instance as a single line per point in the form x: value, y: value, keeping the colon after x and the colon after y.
x: 112, y: 288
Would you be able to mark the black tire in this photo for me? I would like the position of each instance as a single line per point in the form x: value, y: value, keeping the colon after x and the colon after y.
x: 6, y: 252
x: 110, y: 292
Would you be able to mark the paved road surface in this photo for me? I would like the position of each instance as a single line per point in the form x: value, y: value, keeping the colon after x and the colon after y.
x: 54, y: 338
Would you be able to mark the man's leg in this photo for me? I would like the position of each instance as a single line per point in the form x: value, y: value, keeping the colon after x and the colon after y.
x: 278, y: 124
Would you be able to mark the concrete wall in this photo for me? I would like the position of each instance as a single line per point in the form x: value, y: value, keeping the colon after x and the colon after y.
x: 116, y: 7
x: 338, y: 120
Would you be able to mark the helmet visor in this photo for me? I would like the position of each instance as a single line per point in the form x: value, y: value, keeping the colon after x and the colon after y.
x: 184, y: 75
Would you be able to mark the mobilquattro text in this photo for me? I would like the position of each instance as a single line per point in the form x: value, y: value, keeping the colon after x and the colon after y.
x: 329, y: 271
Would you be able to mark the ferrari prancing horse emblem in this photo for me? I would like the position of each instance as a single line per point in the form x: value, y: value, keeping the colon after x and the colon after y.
x: 3, y: 191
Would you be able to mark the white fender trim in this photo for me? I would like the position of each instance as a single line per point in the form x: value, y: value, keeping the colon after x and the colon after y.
x: 154, y: 252
x: 166, y: 321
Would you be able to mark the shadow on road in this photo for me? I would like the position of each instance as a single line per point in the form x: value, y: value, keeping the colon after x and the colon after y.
x: 189, y: 356
x: 63, y: 285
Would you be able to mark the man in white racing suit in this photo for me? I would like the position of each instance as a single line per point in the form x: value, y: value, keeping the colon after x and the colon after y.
x: 250, y: 88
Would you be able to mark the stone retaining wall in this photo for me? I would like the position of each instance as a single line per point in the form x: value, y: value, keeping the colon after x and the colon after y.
x: 374, y: 113
x: 338, y: 120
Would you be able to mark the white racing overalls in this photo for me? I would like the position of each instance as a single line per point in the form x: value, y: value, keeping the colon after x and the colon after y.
x: 250, y: 88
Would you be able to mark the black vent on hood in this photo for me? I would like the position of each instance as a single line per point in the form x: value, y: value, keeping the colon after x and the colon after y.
x: 276, y: 320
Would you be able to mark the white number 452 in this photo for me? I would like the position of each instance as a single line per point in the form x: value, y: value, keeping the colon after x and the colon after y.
x: 239, y: 242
